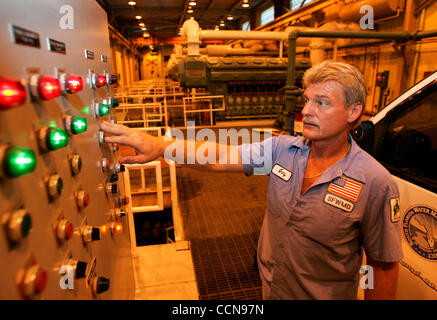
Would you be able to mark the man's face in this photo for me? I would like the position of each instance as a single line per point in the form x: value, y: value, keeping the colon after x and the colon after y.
x: 324, y: 114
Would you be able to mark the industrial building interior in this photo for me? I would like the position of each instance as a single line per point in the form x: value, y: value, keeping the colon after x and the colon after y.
x: 161, y: 230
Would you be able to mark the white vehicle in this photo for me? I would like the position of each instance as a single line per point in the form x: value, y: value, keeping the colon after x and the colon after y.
x: 403, y: 137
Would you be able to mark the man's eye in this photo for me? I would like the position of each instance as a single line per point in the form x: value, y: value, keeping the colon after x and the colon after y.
x: 321, y: 103
x: 305, y: 100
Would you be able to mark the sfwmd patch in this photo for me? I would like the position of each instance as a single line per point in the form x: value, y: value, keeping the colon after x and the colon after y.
x: 339, y: 202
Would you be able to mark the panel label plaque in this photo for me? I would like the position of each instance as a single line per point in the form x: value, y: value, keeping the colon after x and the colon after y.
x: 56, y: 46
x: 25, y: 37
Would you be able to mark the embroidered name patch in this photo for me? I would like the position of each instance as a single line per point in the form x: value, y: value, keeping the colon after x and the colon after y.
x: 395, y: 210
x: 282, y: 173
x: 339, y: 202
x: 346, y: 188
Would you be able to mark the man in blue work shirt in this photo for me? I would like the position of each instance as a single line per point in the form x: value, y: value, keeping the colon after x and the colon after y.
x: 327, y: 199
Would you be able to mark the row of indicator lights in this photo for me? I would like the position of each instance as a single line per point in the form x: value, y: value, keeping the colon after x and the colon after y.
x: 44, y: 87
x: 19, y: 224
x: 33, y: 281
x: 17, y: 161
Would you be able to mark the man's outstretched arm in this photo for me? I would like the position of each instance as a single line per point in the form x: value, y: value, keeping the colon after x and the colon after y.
x: 149, y: 148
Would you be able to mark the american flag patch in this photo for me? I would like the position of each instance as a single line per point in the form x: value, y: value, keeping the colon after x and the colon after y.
x: 346, y: 188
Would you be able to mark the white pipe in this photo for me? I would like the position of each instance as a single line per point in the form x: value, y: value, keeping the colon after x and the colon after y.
x: 190, y: 32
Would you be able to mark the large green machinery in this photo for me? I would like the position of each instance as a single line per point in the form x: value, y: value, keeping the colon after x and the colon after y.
x: 252, y: 85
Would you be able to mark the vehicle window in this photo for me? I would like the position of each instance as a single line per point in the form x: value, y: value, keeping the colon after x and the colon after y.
x: 409, y: 149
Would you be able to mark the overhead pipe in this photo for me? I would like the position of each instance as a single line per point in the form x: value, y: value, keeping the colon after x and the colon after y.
x: 291, y: 90
x: 194, y: 35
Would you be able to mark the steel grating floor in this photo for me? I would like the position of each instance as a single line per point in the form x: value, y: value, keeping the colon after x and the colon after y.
x: 222, y: 215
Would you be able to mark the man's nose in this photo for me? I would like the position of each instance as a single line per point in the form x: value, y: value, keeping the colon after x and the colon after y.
x: 307, y: 108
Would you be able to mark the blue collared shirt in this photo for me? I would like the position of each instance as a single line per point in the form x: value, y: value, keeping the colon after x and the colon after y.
x: 310, y: 245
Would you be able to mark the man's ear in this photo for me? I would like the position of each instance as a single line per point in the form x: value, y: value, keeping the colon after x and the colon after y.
x: 354, y: 112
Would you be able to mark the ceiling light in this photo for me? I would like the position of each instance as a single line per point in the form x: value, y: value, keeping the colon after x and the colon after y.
x: 138, y: 17
x: 141, y: 24
x: 190, y: 10
x: 216, y: 28
x: 245, y: 4
x: 192, y: 3
x: 146, y: 34
x: 222, y: 23
x: 131, y: 3
x: 144, y: 29
x: 230, y: 17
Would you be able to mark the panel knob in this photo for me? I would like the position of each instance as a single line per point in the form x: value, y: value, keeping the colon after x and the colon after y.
x: 100, y: 285
x: 90, y: 234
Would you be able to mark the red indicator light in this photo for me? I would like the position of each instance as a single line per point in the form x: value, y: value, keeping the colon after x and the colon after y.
x: 72, y: 83
x: 49, y: 87
x: 100, y: 81
x: 12, y: 93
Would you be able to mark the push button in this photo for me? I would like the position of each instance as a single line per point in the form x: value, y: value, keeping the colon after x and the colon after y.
x: 64, y: 231
x: 71, y: 83
x: 101, y: 109
x: 16, y: 161
x: 50, y: 139
x: 18, y: 226
x: 76, y: 164
x: 75, y: 124
x: 82, y: 199
x: 34, y: 281
x: 44, y: 87
x: 97, y: 80
x: 54, y: 186
x: 12, y: 93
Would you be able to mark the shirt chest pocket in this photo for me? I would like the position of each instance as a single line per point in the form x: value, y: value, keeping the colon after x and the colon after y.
x: 329, y: 226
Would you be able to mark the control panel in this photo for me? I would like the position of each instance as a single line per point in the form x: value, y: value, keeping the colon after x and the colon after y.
x: 63, y: 226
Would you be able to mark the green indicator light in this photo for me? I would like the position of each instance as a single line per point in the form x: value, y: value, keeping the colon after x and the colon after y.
x: 26, y: 225
x: 103, y: 109
x: 78, y: 125
x: 56, y: 139
x: 19, y: 161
